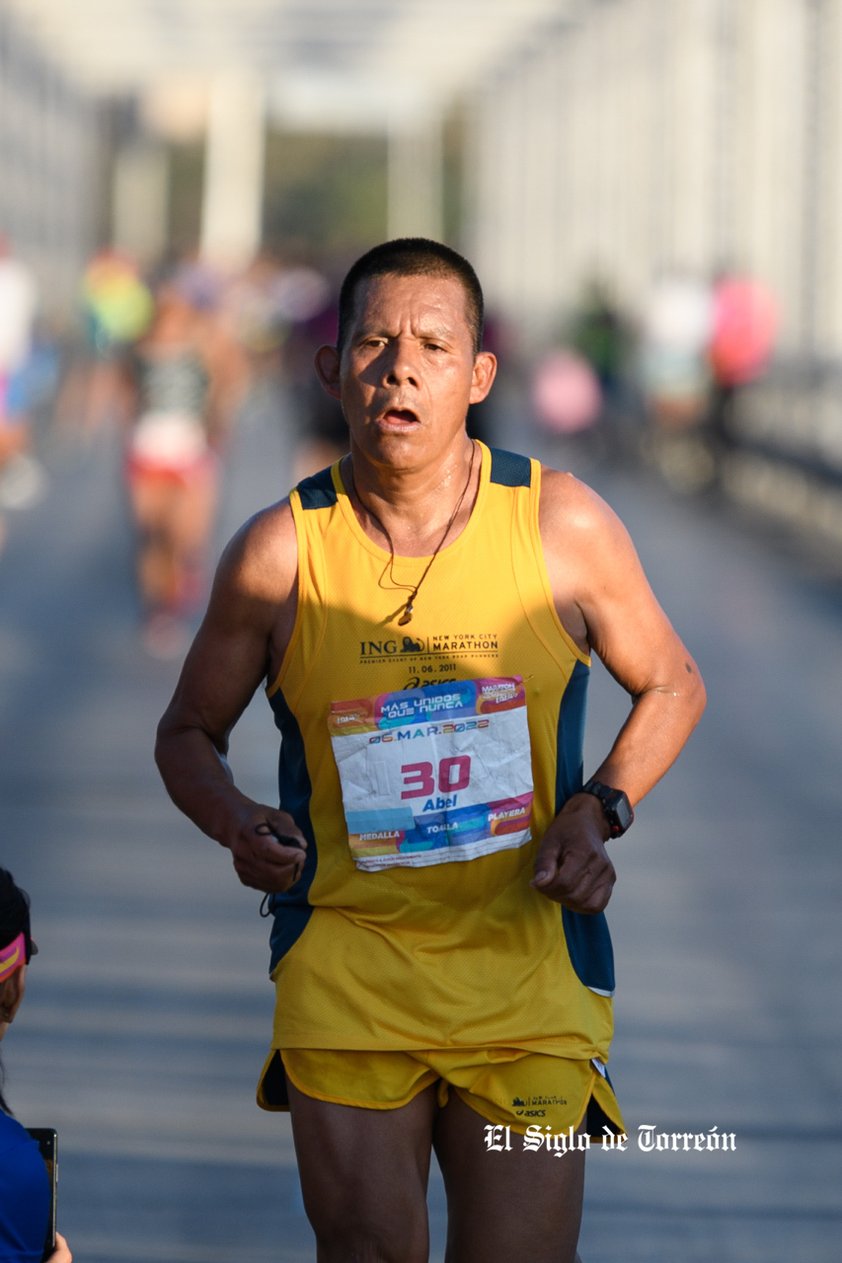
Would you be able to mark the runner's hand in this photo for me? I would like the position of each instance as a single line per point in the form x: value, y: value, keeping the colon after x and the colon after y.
x: 269, y: 851
x: 572, y: 866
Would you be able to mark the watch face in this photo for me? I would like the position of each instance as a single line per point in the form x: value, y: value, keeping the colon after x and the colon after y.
x: 621, y: 810
x: 615, y: 804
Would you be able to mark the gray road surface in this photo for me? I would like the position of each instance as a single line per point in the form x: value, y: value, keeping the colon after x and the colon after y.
x: 149, y: 1008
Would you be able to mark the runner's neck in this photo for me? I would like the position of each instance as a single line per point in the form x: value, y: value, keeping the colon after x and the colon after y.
x: 414, y: 516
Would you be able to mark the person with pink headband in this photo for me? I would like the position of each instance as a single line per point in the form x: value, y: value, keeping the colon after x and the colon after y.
x: 24, y: 1185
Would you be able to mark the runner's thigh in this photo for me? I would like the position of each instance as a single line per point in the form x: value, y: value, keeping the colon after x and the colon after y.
x: 364, y: 1176
x: 506, y: 1203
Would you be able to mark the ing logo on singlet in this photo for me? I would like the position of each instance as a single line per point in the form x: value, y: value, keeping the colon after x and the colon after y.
x: 392, y: 647
x: 432, y: 659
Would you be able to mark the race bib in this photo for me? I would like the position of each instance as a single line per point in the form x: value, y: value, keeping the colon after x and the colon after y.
x: 434, y: 774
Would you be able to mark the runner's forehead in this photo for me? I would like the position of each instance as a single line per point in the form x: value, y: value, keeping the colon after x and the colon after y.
x: 433, y: 305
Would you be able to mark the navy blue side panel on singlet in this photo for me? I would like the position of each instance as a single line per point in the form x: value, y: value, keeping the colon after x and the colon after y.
x: 292, y: 910
x: 591, y: 953
x: 588, y: 937
x: 570, y: 737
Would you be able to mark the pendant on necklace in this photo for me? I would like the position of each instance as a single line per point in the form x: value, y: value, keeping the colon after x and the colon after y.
x: 406, y: 617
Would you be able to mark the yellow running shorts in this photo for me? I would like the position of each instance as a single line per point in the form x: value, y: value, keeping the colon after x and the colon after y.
x: 507, y: 1086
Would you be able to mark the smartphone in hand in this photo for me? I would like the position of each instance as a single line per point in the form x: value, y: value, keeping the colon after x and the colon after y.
x: 47, y: 1140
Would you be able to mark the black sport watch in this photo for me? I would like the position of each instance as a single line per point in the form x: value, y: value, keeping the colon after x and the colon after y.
x: 618, y: 810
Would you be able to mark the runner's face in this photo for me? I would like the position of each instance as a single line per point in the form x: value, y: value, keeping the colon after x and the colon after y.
x: 408, y: 370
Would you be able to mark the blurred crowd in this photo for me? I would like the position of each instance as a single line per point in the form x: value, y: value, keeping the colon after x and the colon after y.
x: 170, y: 357
x: 659, y: 384
x: 167, y: 358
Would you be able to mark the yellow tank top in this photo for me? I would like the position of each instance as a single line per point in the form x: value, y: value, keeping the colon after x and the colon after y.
x: 430, y: 954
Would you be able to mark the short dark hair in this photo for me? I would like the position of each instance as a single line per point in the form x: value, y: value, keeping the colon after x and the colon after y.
x: 412, y: 256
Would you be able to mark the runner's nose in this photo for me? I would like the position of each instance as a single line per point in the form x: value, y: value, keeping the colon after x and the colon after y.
x: 399, y: 364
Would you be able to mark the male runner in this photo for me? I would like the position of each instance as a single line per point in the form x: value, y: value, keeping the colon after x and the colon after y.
x: 422, y: 616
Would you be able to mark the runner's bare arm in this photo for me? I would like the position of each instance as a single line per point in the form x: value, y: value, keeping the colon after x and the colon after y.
x: 241, y: 640
x: 605, y: 602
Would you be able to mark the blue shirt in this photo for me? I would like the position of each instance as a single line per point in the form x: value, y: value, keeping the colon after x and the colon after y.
x: 24, y: 1195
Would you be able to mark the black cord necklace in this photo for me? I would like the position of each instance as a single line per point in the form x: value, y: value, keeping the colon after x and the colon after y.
x: 406, y: 616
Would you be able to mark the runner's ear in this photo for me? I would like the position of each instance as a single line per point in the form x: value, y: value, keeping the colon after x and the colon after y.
x: 327, y: 369
x: 485, y: 370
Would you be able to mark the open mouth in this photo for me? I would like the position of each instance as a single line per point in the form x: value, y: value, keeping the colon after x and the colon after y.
x: 403, y: 416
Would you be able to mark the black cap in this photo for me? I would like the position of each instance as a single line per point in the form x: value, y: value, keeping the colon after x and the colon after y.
x: 14, y: 914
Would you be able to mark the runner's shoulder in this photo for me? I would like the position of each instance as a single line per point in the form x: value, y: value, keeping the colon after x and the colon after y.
x: 262, y: 557
x: 570, y: 504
